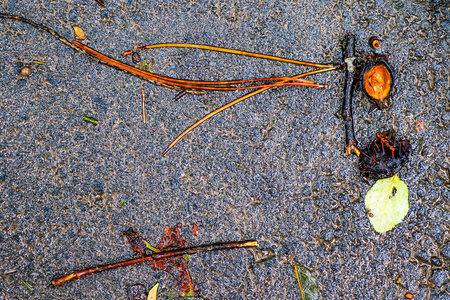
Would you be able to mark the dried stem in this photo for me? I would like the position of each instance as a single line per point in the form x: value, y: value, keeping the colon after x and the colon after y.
x: 349, y: 57
x: 155, y: 256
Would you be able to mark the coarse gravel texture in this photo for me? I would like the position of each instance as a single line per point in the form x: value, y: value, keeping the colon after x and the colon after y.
x: 272, y: 168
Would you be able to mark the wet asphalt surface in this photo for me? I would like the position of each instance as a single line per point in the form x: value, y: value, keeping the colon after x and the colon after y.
x: 272, y: 168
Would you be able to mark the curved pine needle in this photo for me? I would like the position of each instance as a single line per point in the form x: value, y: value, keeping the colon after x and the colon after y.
x: 42, y: 27
x: 231, y: 51
x: 157, y: 79
x: 213, y: 113
x: 172, y: 82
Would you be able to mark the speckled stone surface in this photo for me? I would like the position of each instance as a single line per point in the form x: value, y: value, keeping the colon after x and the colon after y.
x: 271, y: 168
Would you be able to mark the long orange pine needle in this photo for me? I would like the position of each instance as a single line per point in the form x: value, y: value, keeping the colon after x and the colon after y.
x: 172, y: 82
x: 211, y: 114
x: 231, y: 51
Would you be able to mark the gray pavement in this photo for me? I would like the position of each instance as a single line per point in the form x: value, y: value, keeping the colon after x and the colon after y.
x: 271, y: 168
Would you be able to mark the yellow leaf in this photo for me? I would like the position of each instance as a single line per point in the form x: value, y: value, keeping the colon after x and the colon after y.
x: 387, y: 203
x: 79, y: 33
x: 153, y: 294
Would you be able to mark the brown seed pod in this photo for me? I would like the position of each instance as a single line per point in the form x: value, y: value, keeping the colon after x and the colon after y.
x: 377, y: 80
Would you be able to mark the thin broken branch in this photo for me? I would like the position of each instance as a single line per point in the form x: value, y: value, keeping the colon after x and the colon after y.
x: 155, y: 256
x: 349, y: 57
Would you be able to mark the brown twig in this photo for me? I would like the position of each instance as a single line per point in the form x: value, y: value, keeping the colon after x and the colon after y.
x: 101, y: 3
x: 349, y: 57
x: 155, y: 256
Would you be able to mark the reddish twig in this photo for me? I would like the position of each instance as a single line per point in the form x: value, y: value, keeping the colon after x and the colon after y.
x: 155, y: 256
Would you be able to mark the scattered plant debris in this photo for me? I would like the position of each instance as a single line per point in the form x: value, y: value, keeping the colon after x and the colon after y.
x: 347, y: 112
x: 153, y: 293
x: 143, y: 65
x: 387, y: 200
x: 153, y: 249
x: 124, y: 202
x: 385, y: 156
x: 11, y: 271
x: 170, y: 258
x: 135, y: 58
x: 306, y: 283
x: 262, y: 255
x: 136, y: 242
x: 419, y: 126
x: 195, y: 230
x: 375, y: 43
x: 101, y: 3
x: 177, y: 266
x: 377, y: 80
x: 79, y: 33
x: 27, y: 285
x: 387, y: 203
x: 409, y: 296
x: 90, y: 120
x: 38, y: 62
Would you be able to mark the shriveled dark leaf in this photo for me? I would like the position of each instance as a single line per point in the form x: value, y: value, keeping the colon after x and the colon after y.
x: 176, y: 266
x: 136, y: 242
x: 172, y: 238
x: 385, y: 156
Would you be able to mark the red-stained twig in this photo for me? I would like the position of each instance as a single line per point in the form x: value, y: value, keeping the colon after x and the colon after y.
x: 155, y: 256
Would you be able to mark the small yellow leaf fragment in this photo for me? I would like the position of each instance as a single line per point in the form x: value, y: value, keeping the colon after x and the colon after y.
x: 79, y: 33
x: 153, y: 294
x: 147, y: 244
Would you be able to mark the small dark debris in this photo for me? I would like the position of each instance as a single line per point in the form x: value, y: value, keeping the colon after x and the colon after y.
x: 384, y: 157
x: 137, y: 292
x: 98, y: 186
x: 135, y: 58
x: 436, y: 261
